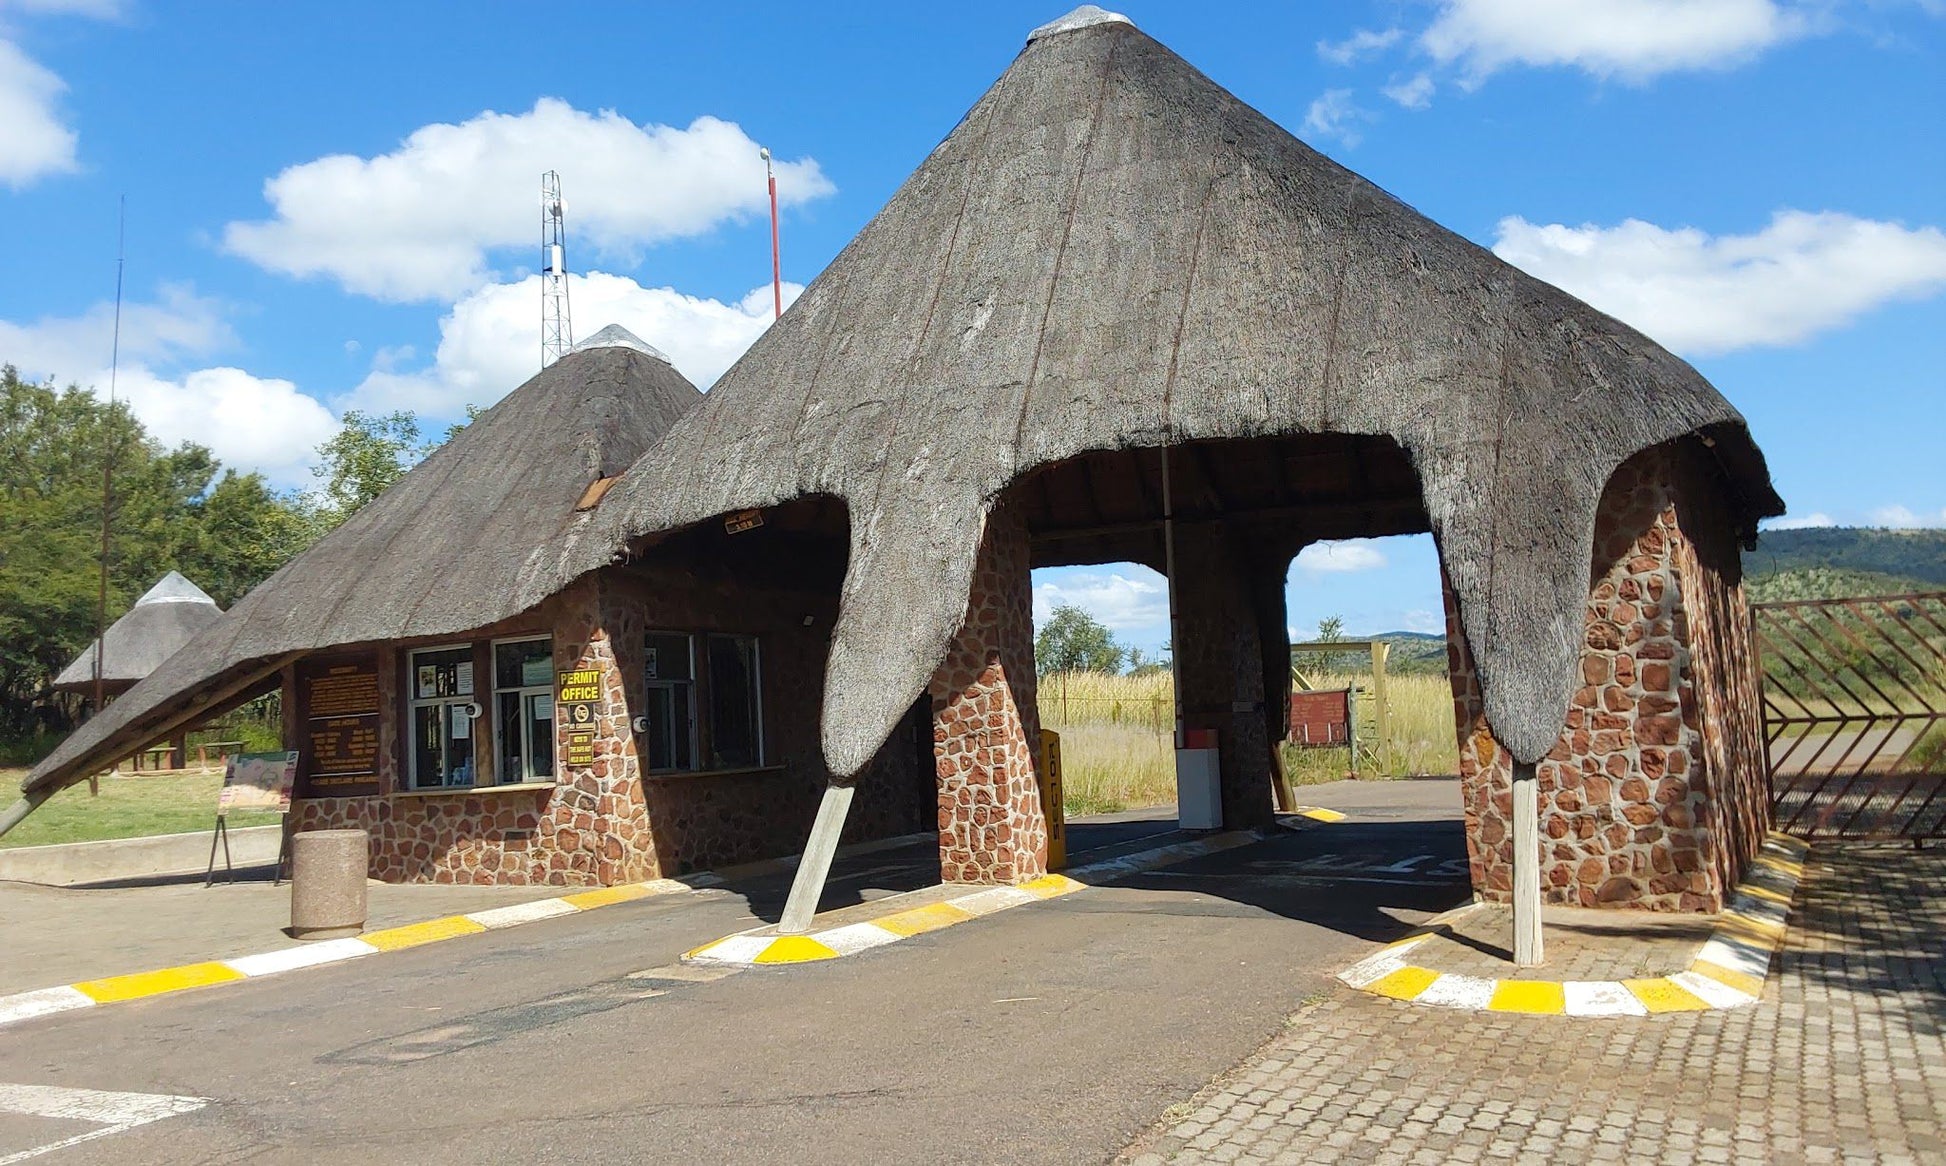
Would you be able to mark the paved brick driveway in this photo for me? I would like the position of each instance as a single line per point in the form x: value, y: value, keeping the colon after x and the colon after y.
x: 1843, y: 1061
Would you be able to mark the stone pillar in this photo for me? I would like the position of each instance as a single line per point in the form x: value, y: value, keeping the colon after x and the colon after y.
x: 986, y: 727
x: 1269, y: 569
x: 596, y: 826
x: 1645, y: 801
x: 1219, y: 653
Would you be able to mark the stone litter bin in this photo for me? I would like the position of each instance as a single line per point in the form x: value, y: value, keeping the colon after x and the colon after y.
x: 328, y: 883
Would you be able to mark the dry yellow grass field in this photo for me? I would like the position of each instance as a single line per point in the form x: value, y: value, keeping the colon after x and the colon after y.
x: 1116, y: 748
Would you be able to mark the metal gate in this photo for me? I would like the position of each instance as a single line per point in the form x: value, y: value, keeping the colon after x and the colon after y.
x: 1855, y: 715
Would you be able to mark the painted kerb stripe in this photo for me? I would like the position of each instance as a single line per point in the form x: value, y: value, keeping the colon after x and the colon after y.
x: 1728, y: 972
x: 164, y: 981
x: 753, y: 950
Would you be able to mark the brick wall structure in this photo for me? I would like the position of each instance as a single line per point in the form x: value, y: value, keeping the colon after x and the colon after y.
x: 1654, y: 797
x: 986, y: 725
x: 608, y: 821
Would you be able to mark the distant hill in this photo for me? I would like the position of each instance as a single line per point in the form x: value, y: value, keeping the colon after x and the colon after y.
x: 1415, y: 652
x: 1846, y: 560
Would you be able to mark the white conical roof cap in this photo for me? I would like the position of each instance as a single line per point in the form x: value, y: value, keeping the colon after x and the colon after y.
x: 173, y: 588
x: 1086, y: 16
x: 616, y: 336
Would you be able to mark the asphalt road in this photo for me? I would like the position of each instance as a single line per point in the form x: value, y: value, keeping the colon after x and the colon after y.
x: 1049, y: 1033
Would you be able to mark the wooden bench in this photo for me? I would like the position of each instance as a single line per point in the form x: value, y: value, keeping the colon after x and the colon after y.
x: 223, y: 751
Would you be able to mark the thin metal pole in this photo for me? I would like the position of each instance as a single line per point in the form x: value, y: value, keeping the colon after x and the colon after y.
x: 1527, y: 867
x: 108, y: 455
x: 776, y: 256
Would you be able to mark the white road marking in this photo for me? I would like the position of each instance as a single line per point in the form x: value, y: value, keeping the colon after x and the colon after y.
x: 285, y: 959
x: 41, y: 1002
x: 1711, y: 992
x: 1600, y: 998
x: 115, y: 1112
x: 520, y: 913
x: 1454, y: 991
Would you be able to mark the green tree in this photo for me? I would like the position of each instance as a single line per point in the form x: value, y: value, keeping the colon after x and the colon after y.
x: 1074, y: 641
x: 245, y: 531
x: 370, y: 452
x: 164, y: 515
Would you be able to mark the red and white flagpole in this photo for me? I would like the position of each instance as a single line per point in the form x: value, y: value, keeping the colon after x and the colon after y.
x: 776, y: 261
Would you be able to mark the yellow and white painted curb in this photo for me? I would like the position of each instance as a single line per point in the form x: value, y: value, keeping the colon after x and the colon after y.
x: 753, y: 950
x: 138, y: 985
x: 1728, y: 972
x: 1318, y: 813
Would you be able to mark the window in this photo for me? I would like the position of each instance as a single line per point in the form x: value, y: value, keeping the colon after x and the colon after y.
x: 441, y: 682
x: 669, y: 667
x: 735, y: 703
x: 707, y: 719
x: 523, y: 693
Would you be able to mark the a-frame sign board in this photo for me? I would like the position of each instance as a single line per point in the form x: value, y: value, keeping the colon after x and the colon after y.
x: 252, y: 781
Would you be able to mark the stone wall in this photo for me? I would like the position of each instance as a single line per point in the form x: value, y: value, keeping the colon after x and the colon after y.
x: 608, y: 822
x: 986, y: 725
x: 1653, y: 798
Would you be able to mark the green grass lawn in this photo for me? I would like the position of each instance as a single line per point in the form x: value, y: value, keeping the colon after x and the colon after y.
x: 129, y: 807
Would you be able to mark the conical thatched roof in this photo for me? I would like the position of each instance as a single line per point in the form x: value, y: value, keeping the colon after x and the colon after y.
x: 167, y: 616
x: 1110, y: 251
x: 436, y: 554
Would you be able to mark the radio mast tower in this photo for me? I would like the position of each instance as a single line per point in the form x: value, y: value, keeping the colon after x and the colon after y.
x: 557, y: 324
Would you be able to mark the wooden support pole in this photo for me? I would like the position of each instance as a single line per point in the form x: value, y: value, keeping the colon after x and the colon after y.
x: 808, y: 886
x: 1527, y: 867
x: 28, y: 803
x: 1381, y: 705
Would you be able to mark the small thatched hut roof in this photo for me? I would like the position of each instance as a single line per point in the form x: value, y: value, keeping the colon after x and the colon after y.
x: 436, y: 554
x: 167, y: 616
x: 1112, y: 252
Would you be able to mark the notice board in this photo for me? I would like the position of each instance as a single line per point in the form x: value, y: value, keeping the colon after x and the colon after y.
x: 338, y: 714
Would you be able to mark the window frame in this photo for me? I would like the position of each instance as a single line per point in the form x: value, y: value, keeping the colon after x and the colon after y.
x: 691, y: 685
x: 414, y: 702
x: 755, y: 693
x: 548, y: 689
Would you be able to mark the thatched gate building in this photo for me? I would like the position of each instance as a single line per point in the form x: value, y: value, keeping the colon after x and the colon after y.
x: 1119, y: 315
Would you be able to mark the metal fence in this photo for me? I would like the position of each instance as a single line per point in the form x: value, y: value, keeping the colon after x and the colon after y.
x: 1854, y: 699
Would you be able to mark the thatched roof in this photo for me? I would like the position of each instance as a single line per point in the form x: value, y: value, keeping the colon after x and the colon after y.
x: 436, y: 554
x: 1110, y: 252
x: 167, y: 616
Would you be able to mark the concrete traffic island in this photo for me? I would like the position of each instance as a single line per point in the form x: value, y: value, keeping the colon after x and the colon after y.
x: 1605, y: 963
x: 328, y: 883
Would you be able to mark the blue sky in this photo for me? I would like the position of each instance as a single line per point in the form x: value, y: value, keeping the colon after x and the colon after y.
x: 335, y: 206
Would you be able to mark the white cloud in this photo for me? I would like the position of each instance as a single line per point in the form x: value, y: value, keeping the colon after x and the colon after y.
x: 1905, y: 516
x: 489, y: 343
x: 1352, y: 554
x: 1631, y: 39
x: 1803, y: 274
x: 1335, y: 115
x: 418, y: 223
x: 249, y: 422
x: 1128, y: 602
x: 1816, y: 518
x: 34, y: 141
x: 1421, y: 620
x: 1414, y: 93
x: 177, y: 324
x: 1362, y: 43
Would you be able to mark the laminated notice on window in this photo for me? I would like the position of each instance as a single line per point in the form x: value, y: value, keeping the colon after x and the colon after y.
x: 428, y: 680
x: 462, y: 721
x: 463, y: 678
